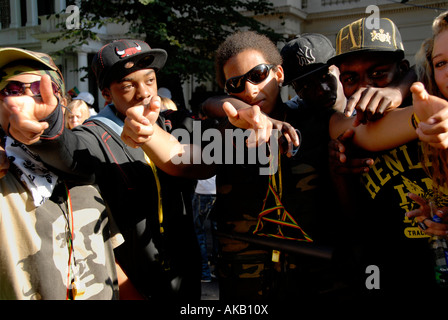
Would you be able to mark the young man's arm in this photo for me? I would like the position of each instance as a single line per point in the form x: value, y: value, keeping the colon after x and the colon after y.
x: 141, y: 130
x: 162, y: 148
x: 213, y: 106
x: 398, y: 125
x: 392, y: 130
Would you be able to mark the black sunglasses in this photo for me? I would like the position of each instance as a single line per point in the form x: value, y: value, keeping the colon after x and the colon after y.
x: 17, y: 88
x: 255, y: 75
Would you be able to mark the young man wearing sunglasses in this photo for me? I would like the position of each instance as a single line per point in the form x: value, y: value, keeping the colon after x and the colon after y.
x: 17, y: 88
x: 255, y: 75
x: 54, y: 235
x: 249, y: 69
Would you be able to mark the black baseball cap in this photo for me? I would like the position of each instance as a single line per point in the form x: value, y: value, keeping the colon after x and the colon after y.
x: 359, y: 36
x: 121, y: 57
x: 306, y: 54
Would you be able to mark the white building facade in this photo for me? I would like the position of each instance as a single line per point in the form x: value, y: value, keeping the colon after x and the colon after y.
x: 29, y: 24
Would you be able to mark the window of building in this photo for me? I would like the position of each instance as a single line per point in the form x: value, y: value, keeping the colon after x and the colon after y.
x: 45, y: 7
x: 23, y: 13
x: 5, y: 14
x: 330, y: 2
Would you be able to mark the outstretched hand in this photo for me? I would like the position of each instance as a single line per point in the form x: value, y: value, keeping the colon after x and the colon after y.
x: 372, y: 103
x: 26, y: 113
x: 138, y: 125
x: 252, y: 118
x: 432, y: 111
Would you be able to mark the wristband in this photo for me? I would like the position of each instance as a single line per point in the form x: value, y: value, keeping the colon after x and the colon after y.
x: 414, y: 120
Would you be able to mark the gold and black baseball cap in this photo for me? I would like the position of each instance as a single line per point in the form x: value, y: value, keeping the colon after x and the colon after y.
x: 358, y: 37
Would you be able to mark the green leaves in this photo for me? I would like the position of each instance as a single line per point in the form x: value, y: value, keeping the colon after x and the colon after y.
x: 146, y: 2
x: 189, y: 30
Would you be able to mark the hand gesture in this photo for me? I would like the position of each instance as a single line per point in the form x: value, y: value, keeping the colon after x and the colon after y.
x: 261, y: 125
x: 25, y: 113
x: 432, y: 111
x: 372, y: 103
x: 423, y: 216
x: 138, y: 125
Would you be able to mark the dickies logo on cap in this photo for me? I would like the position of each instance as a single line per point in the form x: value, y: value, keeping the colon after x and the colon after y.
x: 119, y: 58
x: 357, y: 37
x: 307, y: 53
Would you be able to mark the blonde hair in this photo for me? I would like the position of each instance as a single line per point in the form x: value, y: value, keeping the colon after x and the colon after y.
x: 74, y: 104
x: 423, y: 58
x: 434, y: 160
x: 167, y: 104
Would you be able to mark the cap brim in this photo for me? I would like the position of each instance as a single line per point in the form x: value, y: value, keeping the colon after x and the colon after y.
x: 160, y: 57
x: 316, y: 69
x: 119, y: 71
x: 8, y: 55
x: 337, y: 59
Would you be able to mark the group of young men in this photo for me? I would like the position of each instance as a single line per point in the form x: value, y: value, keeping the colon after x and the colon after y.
x: 147, y: 198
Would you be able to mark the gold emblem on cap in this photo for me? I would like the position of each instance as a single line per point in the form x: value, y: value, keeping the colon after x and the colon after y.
x: 380, y: 36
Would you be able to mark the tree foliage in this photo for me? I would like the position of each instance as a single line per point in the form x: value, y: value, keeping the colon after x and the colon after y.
x: 189, y: 30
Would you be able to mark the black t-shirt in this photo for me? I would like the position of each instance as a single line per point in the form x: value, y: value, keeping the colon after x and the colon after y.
x: 307, y: 193
x: 392, y: 241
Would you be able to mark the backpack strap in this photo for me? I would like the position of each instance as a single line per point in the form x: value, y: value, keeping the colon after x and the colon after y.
x: 109, y: 125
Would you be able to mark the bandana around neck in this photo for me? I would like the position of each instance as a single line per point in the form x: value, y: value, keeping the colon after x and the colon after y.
x: 39, y: 180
